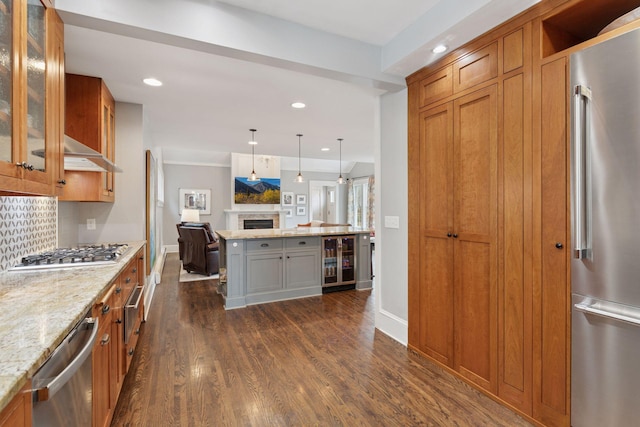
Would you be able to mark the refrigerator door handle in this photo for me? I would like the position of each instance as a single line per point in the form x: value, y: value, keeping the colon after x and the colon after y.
x: 592, y: 309
x: 581, y: 232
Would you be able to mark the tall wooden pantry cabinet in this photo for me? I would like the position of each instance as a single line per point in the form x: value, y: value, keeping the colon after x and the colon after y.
x: 489, y: 278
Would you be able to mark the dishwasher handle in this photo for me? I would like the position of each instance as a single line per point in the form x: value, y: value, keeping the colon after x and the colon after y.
x: 47, y: 391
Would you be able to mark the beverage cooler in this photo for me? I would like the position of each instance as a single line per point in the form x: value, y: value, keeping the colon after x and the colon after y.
x: 338, y: 262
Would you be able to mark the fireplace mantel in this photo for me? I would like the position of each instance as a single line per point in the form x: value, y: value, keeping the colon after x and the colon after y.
x: 235, y: 217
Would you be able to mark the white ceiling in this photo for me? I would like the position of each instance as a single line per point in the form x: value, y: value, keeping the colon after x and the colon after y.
x: 371, y: 21
x: 209, y: 101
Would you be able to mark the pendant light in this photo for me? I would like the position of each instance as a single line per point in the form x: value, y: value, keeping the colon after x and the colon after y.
x: 253, y: 143
x: 299, y: 178
x: 340, y: 178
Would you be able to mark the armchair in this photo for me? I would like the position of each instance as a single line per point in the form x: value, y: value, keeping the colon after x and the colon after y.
x: 199, y: 248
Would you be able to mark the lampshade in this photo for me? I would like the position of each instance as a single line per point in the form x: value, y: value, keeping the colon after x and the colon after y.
x: 253, y: 143
x: 340, y: 178
x: 190, y: 215
x: 299, y: 178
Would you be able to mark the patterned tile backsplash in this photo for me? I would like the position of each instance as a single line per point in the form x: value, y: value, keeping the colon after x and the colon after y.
x: 27, y: 226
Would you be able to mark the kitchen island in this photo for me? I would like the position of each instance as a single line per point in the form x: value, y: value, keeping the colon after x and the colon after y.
x: 266, y: 265
x: 38, y: 308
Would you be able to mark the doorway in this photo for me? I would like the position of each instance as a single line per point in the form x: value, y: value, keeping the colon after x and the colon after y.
x: 324, y: 201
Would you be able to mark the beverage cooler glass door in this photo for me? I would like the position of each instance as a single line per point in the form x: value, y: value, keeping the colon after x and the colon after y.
x: 347, y: 261
x: 329, y: 261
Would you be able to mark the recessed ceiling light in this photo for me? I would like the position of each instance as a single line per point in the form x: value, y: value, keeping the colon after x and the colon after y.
x: 152, y: 82
x: 325, y: 149
x: 439, y: 49
x: 298, y: 105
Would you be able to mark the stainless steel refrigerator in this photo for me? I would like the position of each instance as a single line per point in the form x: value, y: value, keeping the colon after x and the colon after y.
x: 605, y: 268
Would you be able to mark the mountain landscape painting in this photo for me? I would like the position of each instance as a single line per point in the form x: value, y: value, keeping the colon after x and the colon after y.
x: 263, y: 192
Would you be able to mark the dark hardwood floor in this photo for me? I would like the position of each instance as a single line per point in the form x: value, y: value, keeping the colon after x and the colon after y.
x: 313, y: 361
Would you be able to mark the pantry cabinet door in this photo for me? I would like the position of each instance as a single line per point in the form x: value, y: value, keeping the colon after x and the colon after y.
x: 436, y: 246
x: 475, y: 161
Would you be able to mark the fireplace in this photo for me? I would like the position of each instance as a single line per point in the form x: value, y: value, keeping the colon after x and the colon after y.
x: 252, y: 224
x: 236, y: 218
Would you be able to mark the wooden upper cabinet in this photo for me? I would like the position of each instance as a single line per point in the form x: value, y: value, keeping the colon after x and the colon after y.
x: 28, y: 141
x: 437, y: 86
x: 90, y: 119
x: 475, y: 68
x: 513, y: 51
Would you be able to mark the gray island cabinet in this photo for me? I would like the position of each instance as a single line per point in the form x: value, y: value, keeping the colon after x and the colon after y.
x: 259, y: 266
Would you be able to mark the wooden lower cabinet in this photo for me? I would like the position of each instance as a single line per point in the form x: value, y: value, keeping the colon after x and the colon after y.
x: 18, y: 412
x: 111, y: 355
x: 102, y: 361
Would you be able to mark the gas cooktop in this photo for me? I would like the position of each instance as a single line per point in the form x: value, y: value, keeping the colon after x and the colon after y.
x: 81, y: 256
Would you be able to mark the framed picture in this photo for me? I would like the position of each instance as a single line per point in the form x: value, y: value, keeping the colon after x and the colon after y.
x: 289, y: 213
x: 199, y: 199
x: 301, y: 210
x: 301, y: 199
x: 287, y: 198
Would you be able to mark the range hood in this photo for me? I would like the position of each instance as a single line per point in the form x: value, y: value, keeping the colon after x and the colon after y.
x: 79, y: 157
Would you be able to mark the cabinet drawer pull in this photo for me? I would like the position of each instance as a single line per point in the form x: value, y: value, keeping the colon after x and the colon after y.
x: 302, y: 243
x: 105, y: 339
x: 264, y: 245
x: 105, y: 309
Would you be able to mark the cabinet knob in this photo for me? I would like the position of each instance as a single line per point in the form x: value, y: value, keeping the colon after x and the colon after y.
x: 118, y: 321
x: 62, y: 182
x: 105, y: 309
x: 449, y: 234
x: 130, y: 352
x: 110, y: 190
x: 455, y: 235
x: 24, y: 165
x: 559, y: 245
x: 118, y: 290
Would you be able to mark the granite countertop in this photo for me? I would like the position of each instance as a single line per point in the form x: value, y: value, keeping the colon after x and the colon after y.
x: 38, y: 308
x: 274, y: 233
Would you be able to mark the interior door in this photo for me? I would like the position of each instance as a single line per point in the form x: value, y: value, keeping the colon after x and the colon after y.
x: 330, y: 197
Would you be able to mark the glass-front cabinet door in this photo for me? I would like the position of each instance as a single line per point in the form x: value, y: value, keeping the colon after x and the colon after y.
x: 8, y: 152
x: 338, y: 261
x: 35, y: 65
x: 347, y: 259
x: 24, y: 156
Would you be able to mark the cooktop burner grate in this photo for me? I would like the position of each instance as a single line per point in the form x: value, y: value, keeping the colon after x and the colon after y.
x: 85, y: 255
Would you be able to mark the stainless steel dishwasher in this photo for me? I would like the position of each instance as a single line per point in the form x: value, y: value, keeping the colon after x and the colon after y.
x: 62, y: 387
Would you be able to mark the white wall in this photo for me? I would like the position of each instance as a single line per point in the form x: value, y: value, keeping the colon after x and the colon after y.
x: 287, y: 184
x: 391, y: 279
x: 215, y: 178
